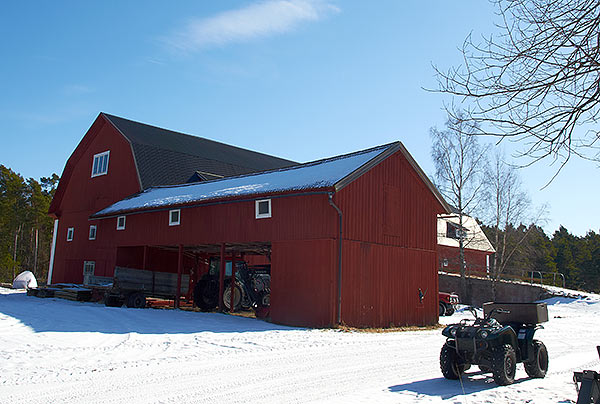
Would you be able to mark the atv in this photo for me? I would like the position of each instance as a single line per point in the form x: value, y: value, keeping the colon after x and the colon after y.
x: 497, y: 342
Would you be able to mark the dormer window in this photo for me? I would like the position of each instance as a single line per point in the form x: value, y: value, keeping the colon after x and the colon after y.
x: 263, y: 208
x: 100, y: 164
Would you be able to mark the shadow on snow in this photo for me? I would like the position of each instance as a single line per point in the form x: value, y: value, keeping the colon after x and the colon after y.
x: 473, y: 382
x: 57, y: 315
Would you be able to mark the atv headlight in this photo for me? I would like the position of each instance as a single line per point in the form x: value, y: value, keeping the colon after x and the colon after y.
x: 484, y: 334
x: 453, y: 332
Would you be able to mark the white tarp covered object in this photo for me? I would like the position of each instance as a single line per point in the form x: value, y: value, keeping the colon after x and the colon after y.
x: 25, y: 280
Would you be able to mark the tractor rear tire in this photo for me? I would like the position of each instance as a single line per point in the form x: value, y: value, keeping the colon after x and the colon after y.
x: 442, y: 309
x: 206, y: 294
x: 538, y: 367
x: 504, y: 365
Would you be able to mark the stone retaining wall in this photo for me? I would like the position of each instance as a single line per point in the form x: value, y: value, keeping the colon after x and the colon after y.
x: 479, y: 290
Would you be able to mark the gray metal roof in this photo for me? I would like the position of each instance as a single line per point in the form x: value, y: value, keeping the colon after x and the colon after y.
x: 165, y: 157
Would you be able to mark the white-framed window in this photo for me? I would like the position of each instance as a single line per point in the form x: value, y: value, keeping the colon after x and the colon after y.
x: 70, y: 233
x: 100, y: 163
x: 263, y: 208
x: 174, y: 217
x: 121, y: 223
x: 92, y: 235
x: 89, y: 267
x: 88, y: 270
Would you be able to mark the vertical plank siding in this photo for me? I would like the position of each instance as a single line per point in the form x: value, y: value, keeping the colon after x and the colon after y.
x: 389, y: 239
x: 303, y: 282
x: 389, y: 250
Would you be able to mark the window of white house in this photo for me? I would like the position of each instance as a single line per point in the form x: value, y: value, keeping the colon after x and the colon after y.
x: 455, y: 231
x: 70, y: 233
x: 121, y: 223
x: 263, y: 208
x: 174, y: 217
x: 100, y: 164
x: 92, y: 232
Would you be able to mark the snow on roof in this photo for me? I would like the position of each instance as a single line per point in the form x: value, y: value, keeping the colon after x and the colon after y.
x: 319, y: 174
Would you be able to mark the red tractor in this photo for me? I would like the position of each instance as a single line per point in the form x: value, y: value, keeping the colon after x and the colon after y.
x: 448, y: 302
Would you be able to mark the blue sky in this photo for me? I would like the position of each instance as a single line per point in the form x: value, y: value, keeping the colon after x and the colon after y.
x: 301, y: 79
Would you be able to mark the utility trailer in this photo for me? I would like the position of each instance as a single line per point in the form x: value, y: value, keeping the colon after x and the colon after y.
x: 132, y: 286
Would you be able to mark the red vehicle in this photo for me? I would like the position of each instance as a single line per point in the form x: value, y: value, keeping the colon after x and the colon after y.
x: 448, y: 302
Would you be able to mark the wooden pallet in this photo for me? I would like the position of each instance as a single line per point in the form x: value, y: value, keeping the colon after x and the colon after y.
x: 80, y: 295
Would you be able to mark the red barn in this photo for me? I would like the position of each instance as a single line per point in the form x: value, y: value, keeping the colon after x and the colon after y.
x: 350, y: 239
x: 115, y: 159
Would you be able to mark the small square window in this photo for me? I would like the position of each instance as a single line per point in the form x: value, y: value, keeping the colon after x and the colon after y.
x: 174, y: 217
x: 100, y: 163
x: 70, y: 233
x: 92, y: 232
x: 121, y: 223
x: 263, y: 208
x: 89, y: 267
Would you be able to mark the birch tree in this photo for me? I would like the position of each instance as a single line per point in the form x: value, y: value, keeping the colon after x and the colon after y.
x: 459, y: 161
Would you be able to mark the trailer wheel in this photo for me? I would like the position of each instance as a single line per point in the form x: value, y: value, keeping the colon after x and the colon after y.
x: 136, y: 300
x: 112, y: 301
x: 538, y: 367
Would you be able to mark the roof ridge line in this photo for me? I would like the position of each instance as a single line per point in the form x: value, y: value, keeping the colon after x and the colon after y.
x: 108, y: 116
x: 294, y: 167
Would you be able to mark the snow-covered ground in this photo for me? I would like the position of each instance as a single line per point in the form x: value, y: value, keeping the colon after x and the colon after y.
x: 58, y: 351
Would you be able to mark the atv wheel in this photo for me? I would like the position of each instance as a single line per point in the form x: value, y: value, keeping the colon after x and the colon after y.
x: 237, y: 297
x: 484, y: 369
x: 449, y: 363
x: 504, y: 365
x: 136, y: 300
x: 442, y: 309
x: 538, y: 367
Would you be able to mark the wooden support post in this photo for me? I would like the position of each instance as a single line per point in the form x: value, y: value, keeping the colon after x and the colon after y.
x: 222, y: 277
x: 179, y: 271
x: 145, y: 259
x: 232, y: 284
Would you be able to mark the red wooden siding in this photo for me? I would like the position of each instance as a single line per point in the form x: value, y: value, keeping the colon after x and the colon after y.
x: 293, y: 218
x: 380, y: 285
x: 389, y: 250
x: 303, y: 282
x: 82, y: 196
x: 475, y: 259
x: 390, y: 205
